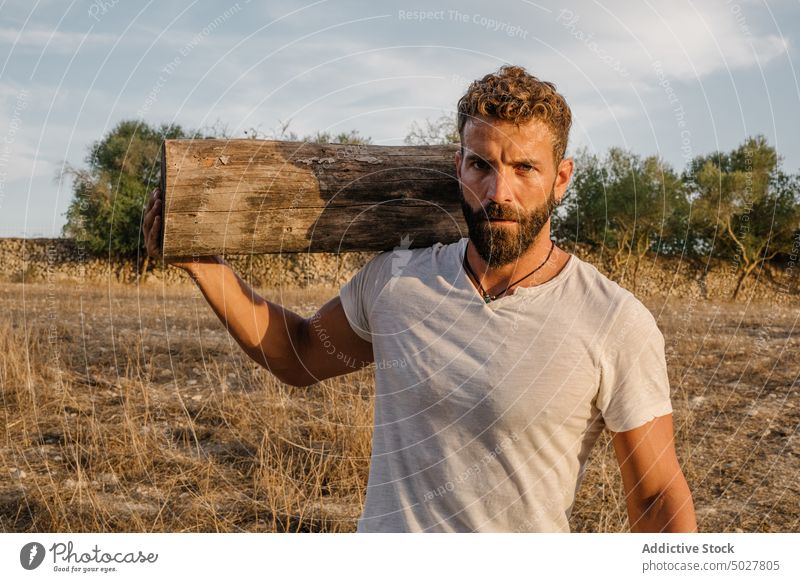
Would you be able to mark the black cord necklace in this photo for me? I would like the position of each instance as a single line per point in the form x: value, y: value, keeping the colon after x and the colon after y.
x: 486, y: 296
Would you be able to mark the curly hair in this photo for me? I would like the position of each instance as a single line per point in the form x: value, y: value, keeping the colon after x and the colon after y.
x: 512, y: 94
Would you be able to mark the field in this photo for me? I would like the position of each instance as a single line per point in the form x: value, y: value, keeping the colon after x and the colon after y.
x: 130, y: 409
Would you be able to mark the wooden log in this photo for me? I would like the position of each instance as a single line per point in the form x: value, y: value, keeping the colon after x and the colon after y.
x: 254, y: 196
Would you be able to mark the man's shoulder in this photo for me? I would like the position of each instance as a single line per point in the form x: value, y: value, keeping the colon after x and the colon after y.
x: 605, y: 296
x: 403, y: 256
x: 597, y: 285
x: 404, y: 261
x: 436, y: 249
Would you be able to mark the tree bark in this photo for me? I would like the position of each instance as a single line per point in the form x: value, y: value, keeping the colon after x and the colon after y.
x: 256, y: 196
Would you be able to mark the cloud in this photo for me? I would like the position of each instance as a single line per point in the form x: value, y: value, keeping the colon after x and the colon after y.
x: 690, y: 39
x: 24, y: 162
x: 55, y: 40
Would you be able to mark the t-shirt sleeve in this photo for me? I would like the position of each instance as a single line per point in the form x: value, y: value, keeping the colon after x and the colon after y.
x: 358, y: 294
x: 634, y: 386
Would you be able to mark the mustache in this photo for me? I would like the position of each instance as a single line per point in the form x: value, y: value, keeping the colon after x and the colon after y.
x: 497, y: 212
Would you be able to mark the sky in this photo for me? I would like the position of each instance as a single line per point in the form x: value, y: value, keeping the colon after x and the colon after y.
x: 674, y: 79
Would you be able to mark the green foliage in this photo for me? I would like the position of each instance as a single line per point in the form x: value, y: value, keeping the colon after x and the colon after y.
x: 583, y: 216
x: 624, y: 203
x: 739, y: 206
x: 353, y: 137
x: 283, y: 133
x: 746, y: 206
x: 105, y: 214
x: 440, y: 131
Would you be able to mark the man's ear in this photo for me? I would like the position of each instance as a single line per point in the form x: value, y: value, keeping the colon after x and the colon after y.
x: 563, y: 177
x: 458, y: 164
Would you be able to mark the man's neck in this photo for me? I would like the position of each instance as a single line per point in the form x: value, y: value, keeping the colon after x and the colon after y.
x: 494, y: 279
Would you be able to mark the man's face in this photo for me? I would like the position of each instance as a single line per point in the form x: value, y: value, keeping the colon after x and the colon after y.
x: 509, y: 185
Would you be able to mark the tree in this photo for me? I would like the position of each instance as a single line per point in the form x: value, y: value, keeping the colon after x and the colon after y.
x: 105, y: 214
x: 282, y: 133
x: 748, y: 207
x: 440, y: 131
x: 626, y: 204
x: 646, y: 199
x: 352, y: 137
x: 583, y: 214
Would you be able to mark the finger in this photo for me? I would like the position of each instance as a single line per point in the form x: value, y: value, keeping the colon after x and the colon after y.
x: 148, y: 219
x: 149, y: 199
x: 152, y: 230
x: 148, y: 211
x: 155, y: 235
x: 155, y: 194
x: 153, y: 211
x: 156, y: 232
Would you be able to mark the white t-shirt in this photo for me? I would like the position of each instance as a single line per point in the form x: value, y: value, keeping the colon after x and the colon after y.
x: 485, y: 413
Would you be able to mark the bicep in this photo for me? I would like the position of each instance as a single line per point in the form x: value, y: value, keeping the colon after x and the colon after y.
x: 330, y: 347
x: 647, y: 459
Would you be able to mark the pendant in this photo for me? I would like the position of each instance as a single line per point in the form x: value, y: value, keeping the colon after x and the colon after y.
x: 487, y: 298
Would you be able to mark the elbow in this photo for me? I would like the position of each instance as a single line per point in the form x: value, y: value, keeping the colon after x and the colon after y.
x: 302, y: 383
x: 296, y: 380
x: 292, y: 375
x: 671, y: 510
x: 287, y: 357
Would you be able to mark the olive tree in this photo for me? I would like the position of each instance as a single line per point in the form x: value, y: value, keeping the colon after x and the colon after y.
x: 747, y: 206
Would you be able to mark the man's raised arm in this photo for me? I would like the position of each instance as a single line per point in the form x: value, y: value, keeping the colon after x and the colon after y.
x: 298, y: 351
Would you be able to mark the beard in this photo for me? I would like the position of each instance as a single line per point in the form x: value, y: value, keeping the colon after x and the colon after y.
x: 501, y: 244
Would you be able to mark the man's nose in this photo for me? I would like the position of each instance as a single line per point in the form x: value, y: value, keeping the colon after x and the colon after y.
x: 500, y: 190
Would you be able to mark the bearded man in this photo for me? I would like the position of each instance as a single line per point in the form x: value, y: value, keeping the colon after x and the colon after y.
x: 499, y: 359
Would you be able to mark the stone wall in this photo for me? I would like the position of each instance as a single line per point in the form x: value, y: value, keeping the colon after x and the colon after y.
x: 34, y: 260
x: 38, y: 260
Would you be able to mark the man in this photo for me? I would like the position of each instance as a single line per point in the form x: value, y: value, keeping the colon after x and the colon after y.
x: 499, y: 358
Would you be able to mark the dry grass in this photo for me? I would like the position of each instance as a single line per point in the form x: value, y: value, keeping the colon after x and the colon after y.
x: 143, y: 416
x: 128, y: 409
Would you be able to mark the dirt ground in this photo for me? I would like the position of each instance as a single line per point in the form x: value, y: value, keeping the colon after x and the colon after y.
x: 130, y: 409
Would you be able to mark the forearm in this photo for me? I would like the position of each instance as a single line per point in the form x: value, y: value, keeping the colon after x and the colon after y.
x: 266, y: 331
x: 670, y: 511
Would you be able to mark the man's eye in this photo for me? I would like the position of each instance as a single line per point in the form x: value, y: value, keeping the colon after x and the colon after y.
x: 480, y: 164
x: 525, y: 168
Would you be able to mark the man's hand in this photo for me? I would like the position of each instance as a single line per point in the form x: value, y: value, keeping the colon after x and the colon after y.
x: 151, y: 229
x: 656, y: 492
